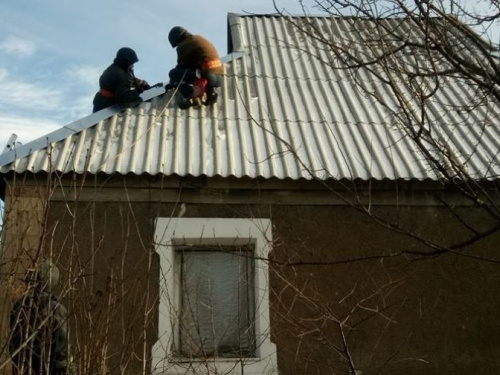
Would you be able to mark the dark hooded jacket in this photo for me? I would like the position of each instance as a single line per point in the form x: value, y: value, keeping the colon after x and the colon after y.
x: 39, y: 337
x: 118, y: 83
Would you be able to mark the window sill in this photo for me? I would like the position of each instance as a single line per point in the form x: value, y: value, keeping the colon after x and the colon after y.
x: 242, y: 366
x: 265, y: 364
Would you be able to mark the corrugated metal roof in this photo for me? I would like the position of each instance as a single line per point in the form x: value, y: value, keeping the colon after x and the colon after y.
x: 282, y: 114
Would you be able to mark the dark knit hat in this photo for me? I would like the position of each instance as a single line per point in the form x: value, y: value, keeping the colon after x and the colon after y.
x: 176, y: 35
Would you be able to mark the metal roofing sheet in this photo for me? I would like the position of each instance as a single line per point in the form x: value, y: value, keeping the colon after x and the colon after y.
x: 281, y: 114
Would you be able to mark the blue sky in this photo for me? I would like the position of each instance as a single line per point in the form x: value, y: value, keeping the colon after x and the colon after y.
x: 53, y: 51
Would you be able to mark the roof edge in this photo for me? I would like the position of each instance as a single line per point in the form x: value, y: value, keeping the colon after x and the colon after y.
x: 69, y: 129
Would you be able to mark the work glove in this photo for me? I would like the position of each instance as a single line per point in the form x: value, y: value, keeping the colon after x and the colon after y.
x: 169, y: 86
x: 142, y: 85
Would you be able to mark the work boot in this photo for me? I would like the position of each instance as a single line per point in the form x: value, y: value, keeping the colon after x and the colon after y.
x: 211, y: 97
x: 184, y: 103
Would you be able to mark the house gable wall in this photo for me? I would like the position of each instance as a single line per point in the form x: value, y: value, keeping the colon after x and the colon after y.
x: 341, y: 285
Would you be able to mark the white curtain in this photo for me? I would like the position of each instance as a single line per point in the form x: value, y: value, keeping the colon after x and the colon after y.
x: 217, y: 304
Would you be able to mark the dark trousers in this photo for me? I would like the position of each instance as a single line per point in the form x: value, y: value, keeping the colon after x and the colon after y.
x: 186, y: 77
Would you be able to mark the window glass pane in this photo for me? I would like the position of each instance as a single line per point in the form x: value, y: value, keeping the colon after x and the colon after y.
x: 217, y: 303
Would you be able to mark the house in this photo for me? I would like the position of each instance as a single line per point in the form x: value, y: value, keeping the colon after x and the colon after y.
x: 296, y: 227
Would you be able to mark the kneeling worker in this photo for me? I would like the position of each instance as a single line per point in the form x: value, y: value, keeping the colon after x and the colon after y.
x: 118, y: 83
x: 197, y: 61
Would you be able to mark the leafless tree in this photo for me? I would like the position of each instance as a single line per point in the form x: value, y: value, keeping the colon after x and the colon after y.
x: 406, y: 56
x: 333, y: 310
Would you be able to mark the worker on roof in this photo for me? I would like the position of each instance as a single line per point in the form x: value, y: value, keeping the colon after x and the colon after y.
x: 118, y: 83
x: 199, y: 69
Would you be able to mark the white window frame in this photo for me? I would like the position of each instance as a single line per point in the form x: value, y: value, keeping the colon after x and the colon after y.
x: 172, y: 232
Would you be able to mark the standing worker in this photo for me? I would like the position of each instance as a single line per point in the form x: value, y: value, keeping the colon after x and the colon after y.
x: 199, y: 68
x: 39, y: 342
x: 118, y: 83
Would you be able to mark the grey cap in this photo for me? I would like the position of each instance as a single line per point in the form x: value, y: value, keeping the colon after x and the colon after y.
x: 47, y: 275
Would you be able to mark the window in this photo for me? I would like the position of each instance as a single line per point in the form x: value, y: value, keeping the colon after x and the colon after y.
x: 217, y: 306
x: 214, y: 304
